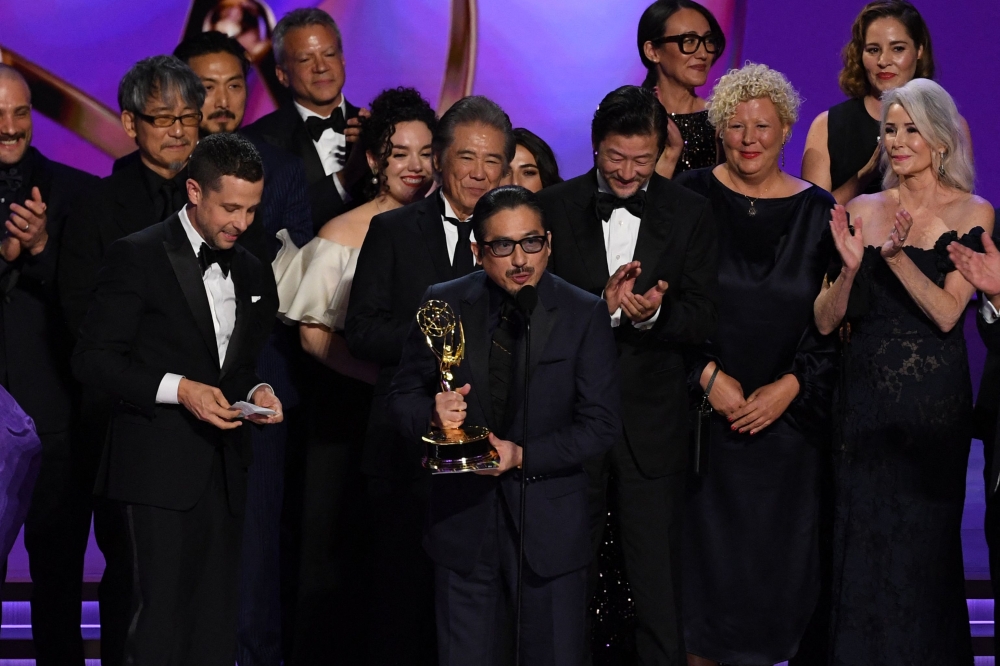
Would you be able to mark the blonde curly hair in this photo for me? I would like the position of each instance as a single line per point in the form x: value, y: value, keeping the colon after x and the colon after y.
x: 752, y: 81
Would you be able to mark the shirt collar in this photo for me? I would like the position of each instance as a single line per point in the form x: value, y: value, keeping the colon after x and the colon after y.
x: 306, y: 113
x: 449, y: 211
x: 192, y: 234
x: 602, y: 184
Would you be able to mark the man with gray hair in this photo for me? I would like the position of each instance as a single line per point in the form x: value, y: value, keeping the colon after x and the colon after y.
x: 320, y: 125
x: 405, y: 251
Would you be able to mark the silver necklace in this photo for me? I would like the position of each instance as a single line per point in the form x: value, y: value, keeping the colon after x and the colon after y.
x: 753, y: 210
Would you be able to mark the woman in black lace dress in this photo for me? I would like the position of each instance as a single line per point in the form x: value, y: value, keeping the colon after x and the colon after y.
x: 904, y: 405
x: 679, y: 41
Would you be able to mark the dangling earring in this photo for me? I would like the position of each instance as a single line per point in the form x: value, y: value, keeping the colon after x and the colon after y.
x: 941, y: 166
x: 782, y: 156
x: 374, y: 177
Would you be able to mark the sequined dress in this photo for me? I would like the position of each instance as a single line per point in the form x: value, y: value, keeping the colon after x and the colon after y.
x: 700, y: 148
x: 903, y: 414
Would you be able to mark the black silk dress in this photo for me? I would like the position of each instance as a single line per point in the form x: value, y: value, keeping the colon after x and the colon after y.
x: 903, y: 419
x: 751, y: 527
x: 852, y: 136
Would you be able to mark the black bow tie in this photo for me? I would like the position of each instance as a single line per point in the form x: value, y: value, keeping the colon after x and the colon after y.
x: 11, y: 180
x: 607, y: 204
x: 316, y: 125
x: 208, y: 256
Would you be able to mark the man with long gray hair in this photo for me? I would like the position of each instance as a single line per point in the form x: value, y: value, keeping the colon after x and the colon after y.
x: 406, y: 251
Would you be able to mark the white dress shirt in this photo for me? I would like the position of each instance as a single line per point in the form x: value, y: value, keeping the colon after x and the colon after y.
x: 221, y: 294
x: 451, y: 232
x: 990, y: 313
x: 331, y: 147
x: 621, y: 231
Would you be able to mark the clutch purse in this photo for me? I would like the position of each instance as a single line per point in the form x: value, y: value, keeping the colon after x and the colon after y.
x: 701, y: 434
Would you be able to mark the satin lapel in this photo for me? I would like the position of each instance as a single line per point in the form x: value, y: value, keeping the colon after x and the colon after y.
x: 432, y: 231
x: 588, y: 230
x: 237, y: 339
x: 543, y: 321
x: 188, y: 272
x: 475, y: 322
x: 654, y: 234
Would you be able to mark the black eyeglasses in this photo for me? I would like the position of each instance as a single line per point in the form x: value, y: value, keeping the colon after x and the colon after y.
x: 505, y: 246
x: 187, y: 120
x: 689, y: 42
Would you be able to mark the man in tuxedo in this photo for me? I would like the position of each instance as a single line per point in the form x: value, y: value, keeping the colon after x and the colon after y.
x: 982, y: 270
x: 178, y: 318
x: 406, y: 251
x: 160, y: 100
x: 36, y: 195
x: 222, y: 65
x: 648, y: 246
x: 474, y: 520
x: 320, y: 125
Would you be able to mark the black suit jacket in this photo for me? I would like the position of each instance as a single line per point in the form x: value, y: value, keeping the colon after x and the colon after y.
x: 404, y: 252
x: 37, y: 342
x: 285, y: 129
x: 573, y: 415
x: 151, y: 316
x: 676, y: 243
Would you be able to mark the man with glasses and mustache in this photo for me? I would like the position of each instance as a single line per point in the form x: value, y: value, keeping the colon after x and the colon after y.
x: 474, y: 521
x: 222, y: 64
x: 648, y: 247
x: 405, y: 251
x: 36, y: 195
x: 160, y: 100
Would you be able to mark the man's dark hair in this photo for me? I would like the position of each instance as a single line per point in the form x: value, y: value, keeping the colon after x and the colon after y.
x: 301, y: 18
x: 211, y: 42
x: 391, y: 107
x: 630, y: 111
x: 224, y: 154
x: 470, y: 110
x: 159, y: 76
x: 503, y: 198
x: 548, y: 168
x: 653, y: 25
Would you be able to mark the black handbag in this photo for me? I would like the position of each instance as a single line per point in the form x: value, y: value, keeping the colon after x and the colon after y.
x: 701, y: 434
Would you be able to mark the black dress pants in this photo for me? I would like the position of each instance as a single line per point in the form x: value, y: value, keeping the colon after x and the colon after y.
x: 185, y: 567
x: 650, y: 511
x: 476, y: 613
x: 991, y: 525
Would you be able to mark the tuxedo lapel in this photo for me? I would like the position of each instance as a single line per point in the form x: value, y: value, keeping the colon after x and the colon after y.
x: 134, y: 209
x: 543, y: 321
x: 189, y: 275
x: 654, y: 233
x: 243, y: 298
x: 432, y: 231
x: 589, y: 233
x: 475, y: 321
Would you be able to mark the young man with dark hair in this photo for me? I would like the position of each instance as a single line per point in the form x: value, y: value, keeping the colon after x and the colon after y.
x: 178, y: 318
x: 648, y: 247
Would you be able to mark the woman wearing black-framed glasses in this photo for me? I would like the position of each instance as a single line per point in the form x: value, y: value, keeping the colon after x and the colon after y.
x: 679, y: 41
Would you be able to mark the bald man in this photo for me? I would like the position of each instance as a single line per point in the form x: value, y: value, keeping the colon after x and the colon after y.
x: 35, y: 345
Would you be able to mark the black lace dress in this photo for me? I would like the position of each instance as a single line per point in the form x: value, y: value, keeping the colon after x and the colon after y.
x: 903, y: 413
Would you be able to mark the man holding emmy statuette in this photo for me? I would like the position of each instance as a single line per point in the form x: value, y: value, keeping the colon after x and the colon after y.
x: 531, y: 358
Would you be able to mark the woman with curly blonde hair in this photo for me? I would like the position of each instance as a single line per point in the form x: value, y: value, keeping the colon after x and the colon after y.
x: 751, y: 539
x: 890, y: 45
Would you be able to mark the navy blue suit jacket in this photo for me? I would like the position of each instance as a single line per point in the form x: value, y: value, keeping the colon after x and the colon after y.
x: 573, y: 415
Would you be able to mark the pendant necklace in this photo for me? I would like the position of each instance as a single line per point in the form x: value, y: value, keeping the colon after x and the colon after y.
x: 753, y: 209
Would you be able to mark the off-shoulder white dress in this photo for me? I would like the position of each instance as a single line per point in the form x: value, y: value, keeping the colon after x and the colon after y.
x: 314, y: 281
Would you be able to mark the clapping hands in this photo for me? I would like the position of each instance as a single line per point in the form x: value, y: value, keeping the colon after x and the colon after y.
x: 981, y: 269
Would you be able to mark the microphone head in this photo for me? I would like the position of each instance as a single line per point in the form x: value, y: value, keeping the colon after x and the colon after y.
x: 526, y: 299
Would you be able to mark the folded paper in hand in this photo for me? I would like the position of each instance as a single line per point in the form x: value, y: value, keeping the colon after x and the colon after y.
x: 247, y: 409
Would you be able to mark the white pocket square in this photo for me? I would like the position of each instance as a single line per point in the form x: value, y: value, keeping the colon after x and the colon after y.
x: 254, y: 299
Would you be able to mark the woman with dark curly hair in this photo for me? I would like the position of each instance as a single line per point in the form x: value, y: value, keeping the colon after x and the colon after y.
x: 534, y: 165
x: 890, y: 45
x: 314, y: 282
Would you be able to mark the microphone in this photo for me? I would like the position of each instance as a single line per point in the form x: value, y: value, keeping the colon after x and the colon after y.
x: 526, y: 299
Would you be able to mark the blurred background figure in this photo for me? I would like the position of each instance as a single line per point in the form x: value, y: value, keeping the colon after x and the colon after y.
x: 534, y: 165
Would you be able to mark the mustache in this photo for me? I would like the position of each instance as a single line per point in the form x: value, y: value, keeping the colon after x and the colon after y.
x: 13, y: 137
x: 222, y: 113
x: 520, y: 270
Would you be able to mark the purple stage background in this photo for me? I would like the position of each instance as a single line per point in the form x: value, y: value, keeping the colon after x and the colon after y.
x: 547, y: 63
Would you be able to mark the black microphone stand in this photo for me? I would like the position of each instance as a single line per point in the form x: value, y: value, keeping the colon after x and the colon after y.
x: 526, y: 300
